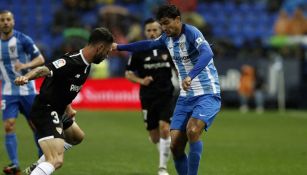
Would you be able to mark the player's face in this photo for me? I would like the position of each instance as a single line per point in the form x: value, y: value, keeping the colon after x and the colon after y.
x: 152, y: 30
x: 170, y: 26
x: 102, y: 53
x: 6, y: 23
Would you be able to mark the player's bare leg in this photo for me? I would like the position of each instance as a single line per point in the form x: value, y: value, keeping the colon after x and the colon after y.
x: 73, y: 136
x: 195, y: 128
x: 178, y: 143
x: 53, y: 150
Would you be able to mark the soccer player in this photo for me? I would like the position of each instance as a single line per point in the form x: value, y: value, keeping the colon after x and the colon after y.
x: 72, y: 132
x: 152, y: 69
x: 64, y: 79
x: 199, y: 99
x: 18, y: 54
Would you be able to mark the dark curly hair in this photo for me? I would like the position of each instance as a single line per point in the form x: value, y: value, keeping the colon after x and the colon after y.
x: 168, y: 11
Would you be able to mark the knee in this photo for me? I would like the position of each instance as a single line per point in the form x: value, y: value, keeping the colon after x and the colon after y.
x: 79, y: 138
x: 76, y: 138
x: 57, y: 162
x: 164, y: 131
x: 9, y: 126
x: 154, y: 139
x: 193, y: 133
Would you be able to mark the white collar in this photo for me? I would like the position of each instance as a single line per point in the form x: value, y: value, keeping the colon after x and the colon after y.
x: 84, y: 60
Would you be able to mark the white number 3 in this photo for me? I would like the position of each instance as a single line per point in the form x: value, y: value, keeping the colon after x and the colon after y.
x: 56, y: 120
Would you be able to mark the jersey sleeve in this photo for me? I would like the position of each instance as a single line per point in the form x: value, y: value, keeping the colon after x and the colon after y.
x: 60, y: 66
x: 205, y: 53
x: 144, y: 45
x: 29, y: 47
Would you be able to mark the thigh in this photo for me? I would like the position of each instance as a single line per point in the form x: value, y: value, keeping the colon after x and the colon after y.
x: 9, y: 105
x: 47, y: 122
x: 26, y: 103
x: 206, y: 108
x: 52, y: 148
x: 181, y: 115
x: 73, y: 134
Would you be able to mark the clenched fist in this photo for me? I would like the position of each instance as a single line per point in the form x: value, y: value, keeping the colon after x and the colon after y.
x: 186, y: 83
x: 21, y: 80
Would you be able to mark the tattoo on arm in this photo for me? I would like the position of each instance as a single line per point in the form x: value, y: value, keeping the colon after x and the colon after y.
x: 38, y: 72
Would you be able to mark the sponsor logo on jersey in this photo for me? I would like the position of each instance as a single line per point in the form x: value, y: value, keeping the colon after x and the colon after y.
x: 59, y: 63
x: 157, y: 65
x: 75, y: 88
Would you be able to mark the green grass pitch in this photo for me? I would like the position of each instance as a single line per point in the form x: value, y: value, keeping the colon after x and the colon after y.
x: 237, y: 144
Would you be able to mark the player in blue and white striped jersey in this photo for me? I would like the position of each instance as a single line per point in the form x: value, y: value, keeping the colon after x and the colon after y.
x: 18, y: 54
x: 199, y: 99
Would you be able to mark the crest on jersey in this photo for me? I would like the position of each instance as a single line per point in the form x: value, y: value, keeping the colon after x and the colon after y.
x: 60, y: 130
x: 181, y: 45
x: 164, y: 57
x: 12, y: 49
x: 59, y: 63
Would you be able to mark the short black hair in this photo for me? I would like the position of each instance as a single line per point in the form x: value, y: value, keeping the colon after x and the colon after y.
x: 149, y: 21
x: 168, y: 11
x: 5, y: 11
x: 100, y: 34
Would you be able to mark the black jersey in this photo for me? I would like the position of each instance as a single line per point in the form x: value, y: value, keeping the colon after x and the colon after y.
x: 68, y: 74
x: 155, y: 63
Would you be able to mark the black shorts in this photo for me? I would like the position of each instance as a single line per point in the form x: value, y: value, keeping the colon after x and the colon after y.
x: 47, y: 121
x: 156, y: 109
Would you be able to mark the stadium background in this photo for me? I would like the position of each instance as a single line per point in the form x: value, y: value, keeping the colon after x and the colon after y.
x: 241, y: 32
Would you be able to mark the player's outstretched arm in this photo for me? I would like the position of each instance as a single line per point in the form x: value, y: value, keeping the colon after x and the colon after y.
x: 39, y: 60
x: 38, y: 72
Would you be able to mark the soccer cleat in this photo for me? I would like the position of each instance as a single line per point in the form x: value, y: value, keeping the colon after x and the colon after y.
x: 162, y: 171
x: 30, y: 168
x: 11, y: 169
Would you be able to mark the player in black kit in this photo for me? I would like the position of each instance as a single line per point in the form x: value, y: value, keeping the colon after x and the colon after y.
x: 64, y: 79
x: 153, y: 71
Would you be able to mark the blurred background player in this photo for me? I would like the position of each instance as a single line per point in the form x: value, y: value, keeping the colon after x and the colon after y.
x: 64, y: 80
x: 199, y: 99
x: 18, y: 55
x: 152, y: 69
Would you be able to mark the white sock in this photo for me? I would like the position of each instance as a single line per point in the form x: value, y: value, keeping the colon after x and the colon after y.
x: 158, y: 146
x: 44, y: 168
x: 67, y: 146
x: 164, y: 152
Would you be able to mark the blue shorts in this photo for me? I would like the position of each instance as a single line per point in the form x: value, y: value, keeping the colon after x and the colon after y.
x: 12, y: 104
x: 204, y: 108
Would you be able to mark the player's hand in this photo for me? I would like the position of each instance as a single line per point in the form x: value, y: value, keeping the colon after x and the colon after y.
x: 146, y: 80
x: 186, y: 83
x: 114, y: 46
x: 21, y: 80
x: 71, y: 112
x: 19, y: 66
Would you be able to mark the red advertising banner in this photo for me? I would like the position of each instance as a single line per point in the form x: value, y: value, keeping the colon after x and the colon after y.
x: 117, y: 93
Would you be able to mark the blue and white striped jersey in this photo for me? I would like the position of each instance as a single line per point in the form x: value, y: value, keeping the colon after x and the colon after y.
x: 192, y: 56
x: 22, y: 48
